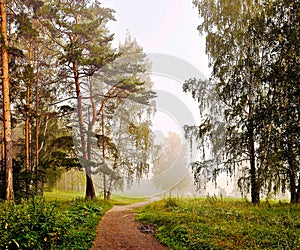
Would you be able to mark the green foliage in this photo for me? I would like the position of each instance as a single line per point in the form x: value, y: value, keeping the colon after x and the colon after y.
x: 278, y: 115
x: 57, y: 155
x: 214, y: 223
x: 210, y: 135
x: 257, y: 83
x: 124, y: 137
x: 37, y: 224
x: 55, y: 48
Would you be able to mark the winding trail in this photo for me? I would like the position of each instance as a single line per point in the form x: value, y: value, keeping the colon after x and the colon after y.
x: 119, y: 230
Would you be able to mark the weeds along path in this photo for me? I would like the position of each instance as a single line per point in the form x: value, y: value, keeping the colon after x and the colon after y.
x: 119, y: 230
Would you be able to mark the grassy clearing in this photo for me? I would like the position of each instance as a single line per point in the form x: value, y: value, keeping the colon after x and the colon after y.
x: 63, y: 195
x: 125, y: 200
x: 58, y: 195
x: 213, y: 223
x: 40, y: 224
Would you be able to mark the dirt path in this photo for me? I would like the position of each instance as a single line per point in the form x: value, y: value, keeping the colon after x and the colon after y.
x: 118, y: 230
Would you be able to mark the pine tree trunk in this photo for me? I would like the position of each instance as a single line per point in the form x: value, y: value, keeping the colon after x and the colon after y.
x: 9, y: 191
x: 27, y: 123
x: 2, y: 150
x: 27, y: 128
x: 36, y: 132
x: 90, y: 190
x: 2, y: 178
x: 103, y: 156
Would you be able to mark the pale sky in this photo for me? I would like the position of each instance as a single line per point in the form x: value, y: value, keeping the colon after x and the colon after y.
x: 161, y: 26
x: 165, y: 27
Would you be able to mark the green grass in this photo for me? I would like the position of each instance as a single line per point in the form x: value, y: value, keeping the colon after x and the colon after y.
x: 213, y: 223
x: 62, y: 195
x: 125, y: 200
x: 58, y: 195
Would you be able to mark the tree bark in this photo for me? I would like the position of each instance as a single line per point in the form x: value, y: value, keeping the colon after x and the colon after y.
x: 2, y: 178
x: 90, y: 190
x: 95, y: 114
x: 298, y: 191
x: 255, y: 199
x: 36, y: 131
x: 27, y: 122
x: 2, y: 149
x: 292, y: 175
x: 293, y: 187
x: 9, y: 191
x: 103, y: 156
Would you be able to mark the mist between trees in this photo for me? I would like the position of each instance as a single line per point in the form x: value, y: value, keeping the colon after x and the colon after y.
x: 72, y: 101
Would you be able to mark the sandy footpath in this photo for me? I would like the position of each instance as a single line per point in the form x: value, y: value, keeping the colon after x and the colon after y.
x: 119, y: 230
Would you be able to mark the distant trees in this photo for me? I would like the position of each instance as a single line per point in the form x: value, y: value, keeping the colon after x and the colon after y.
x: 252, y: 48
x: 169, y: 168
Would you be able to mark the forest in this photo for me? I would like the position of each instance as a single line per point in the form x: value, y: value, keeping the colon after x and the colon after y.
x: 71, y: 101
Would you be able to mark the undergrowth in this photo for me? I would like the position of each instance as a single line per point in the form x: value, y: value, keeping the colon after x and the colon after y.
x: 40, y: 224
x: 214, y: 223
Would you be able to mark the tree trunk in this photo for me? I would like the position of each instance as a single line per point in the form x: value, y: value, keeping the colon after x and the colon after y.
x: 298, y: 191
x: 27, y: 123
x: 103, y: 156
x: 293, y: 187
x: 90, y: 190
x: 255, y: 199
x: 36, y: 131
x: 2, y: 149
x: 292, y: 174
x: 2, y: 178
x: 9, y: 191
x: 95, y: 114
x: 254, y: 183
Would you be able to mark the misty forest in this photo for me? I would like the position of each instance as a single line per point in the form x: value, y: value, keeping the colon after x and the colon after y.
x: 78, y: 135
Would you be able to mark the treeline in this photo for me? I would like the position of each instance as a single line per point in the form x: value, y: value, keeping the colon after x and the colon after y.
x: 69, y: 99
x: 250, y: 106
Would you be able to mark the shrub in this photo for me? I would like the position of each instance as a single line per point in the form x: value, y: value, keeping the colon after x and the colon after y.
x: 37, y: 224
